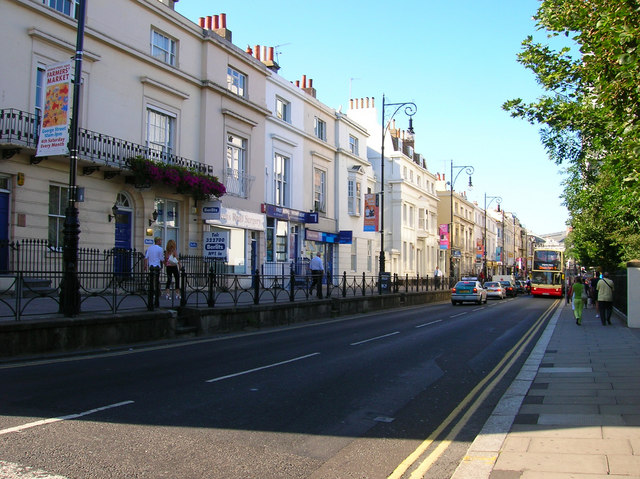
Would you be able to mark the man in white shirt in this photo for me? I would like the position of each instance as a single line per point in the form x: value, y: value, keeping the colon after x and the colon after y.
x: 153, y: 262
x: 317, y: 270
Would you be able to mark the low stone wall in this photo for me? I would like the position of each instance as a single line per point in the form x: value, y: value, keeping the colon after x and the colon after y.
x: 50, y: 335
x: 220, y: 320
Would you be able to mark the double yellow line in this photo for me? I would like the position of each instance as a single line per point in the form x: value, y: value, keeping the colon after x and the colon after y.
x: 499, y: 371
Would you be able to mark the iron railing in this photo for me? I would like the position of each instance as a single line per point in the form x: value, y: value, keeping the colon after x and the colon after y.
x: 21, y: 129
x: 114, y: 280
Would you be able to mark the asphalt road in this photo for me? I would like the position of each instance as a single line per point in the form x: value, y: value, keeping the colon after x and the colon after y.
x: 348, y: 398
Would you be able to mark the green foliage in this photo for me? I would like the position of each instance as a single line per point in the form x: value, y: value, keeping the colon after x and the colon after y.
x: 590, y: 120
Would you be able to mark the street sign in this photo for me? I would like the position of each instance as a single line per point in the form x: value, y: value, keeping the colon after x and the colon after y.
x: 215, y: 244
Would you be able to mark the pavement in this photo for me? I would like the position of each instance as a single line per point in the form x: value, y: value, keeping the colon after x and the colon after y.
x: 572, y: 412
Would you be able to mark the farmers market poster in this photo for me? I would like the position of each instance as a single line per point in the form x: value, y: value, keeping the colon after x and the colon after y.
x: 54, y: 128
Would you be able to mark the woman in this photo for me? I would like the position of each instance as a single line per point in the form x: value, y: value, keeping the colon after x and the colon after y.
x: 576, y: 297
x: 173, y: 268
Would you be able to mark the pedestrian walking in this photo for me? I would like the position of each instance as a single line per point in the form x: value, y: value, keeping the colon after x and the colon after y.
x: 153, y: 262
x: 593, y: 290
x: 577, y: 290
x: 172, y: 264
x: 317, y: 270
x: 605, y: 298
x: 437, y: 274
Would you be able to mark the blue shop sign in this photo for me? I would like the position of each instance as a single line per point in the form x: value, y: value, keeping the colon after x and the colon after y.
x: 288, y: 214
x: 311, y: 235
x: 345, y: 237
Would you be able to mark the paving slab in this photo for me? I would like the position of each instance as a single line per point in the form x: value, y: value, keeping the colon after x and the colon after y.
x: 547, y: 462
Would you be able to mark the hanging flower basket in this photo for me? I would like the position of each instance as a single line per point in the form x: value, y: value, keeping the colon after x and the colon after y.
x: 185, y: 180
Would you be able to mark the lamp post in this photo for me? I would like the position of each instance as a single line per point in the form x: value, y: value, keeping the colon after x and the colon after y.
x: 469, y: 170
x: 70, y: 287
x: 498, y: 200
x: 410, y: 110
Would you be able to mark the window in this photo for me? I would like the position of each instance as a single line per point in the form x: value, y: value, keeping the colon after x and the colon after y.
x: 68, y: 7
x: 412, y: 216
x: 354, y: 255
x: 354, y: 193
x: 160, y: 132
x: 320, y: 129
x: 369, y: 255
x: 235, y: 173
x: 422, y: 220
x: 167, y: 225
x: 277, y: 234
x: 354, y: 145
x: 163, y: 48
x: 283, y: 110
x: 319, y: 191
x: 236, y: 81
x: 40, y: 81
x: 58, y: 200
x: 280, y: 178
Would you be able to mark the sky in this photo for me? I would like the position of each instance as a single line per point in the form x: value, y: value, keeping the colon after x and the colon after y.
x: 455, y: 60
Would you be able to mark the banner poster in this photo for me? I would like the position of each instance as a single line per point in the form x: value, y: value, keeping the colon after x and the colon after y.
x: 479, y: 248
x: 371, y: 212
x: 54, y: 126
x: 444, y: 236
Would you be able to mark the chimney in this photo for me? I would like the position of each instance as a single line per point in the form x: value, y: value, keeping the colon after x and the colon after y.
x: 309, y: 90
x: 202, y: 22
x: 218, y: 25
x: 269, y: 61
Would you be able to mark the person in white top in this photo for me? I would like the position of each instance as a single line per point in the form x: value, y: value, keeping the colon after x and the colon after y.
x: 317, y: 270
x: 153, y: 259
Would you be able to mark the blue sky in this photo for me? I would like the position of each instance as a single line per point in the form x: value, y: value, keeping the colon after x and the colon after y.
x: 456, y: 60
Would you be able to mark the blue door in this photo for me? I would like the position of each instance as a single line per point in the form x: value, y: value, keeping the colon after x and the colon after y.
x: 122, y: 249
x: 4, y: 231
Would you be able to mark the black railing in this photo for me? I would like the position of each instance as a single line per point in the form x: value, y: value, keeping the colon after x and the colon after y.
x: 20, y: 128
x: 114, y: 280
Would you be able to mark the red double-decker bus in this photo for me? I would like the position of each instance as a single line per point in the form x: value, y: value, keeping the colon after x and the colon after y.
x: 547, y: 274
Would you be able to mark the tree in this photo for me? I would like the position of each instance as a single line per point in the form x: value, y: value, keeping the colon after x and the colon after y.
x: 590, y: 120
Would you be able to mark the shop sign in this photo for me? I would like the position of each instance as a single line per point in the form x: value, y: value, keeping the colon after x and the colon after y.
x: 210, y: 210
x: 311, y: 235
x: 215, y: 244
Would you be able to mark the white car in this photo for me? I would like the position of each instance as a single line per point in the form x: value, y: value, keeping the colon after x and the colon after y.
x: 495, y: 290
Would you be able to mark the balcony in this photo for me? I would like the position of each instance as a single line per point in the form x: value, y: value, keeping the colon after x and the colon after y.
x: 19, y: 129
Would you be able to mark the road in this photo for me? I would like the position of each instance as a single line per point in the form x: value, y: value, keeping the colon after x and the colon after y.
x: 358, y: 397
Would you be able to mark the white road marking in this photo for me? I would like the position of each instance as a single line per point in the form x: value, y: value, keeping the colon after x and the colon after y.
x: 374, y: 339
x: 459, y: 314
x: 43, y: 422
x: 228, y: 376
x: 427, y: 324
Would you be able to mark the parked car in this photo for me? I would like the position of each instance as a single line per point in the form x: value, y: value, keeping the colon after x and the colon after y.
x: 520, y: 287
x: 510, y: 288
x: 471, y: 291
x: 495, y: 290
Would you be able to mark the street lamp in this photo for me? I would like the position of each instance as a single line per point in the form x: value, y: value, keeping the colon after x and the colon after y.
x: 498, y: 200
x: 409, y: 110
x: 70, y: 286
x: 469, y: 170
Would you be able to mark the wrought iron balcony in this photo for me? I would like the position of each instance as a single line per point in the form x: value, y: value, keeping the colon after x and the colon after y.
x: 19, y: 129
